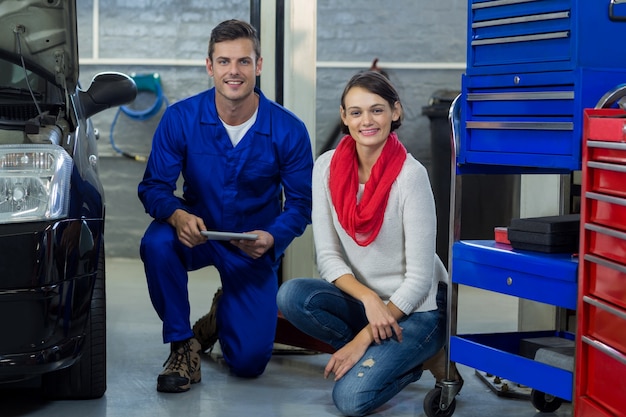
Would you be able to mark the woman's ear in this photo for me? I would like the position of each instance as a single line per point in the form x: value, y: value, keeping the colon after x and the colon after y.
x: 342, y: 114
x: 397, y: 111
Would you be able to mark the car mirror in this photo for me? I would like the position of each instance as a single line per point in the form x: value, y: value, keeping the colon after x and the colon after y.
x: 107, y: 89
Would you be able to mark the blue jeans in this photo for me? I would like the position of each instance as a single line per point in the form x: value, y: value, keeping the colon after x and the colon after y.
x: 321, y: 310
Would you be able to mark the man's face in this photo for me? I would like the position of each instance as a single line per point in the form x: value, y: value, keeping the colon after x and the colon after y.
x: 234, y: 69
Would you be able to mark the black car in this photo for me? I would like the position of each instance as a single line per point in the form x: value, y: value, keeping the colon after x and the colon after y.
x: 52, y: 275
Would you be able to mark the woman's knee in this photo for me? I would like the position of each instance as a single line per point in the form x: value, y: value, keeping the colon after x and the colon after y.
x: 349, y: 402
x: 290, y: 295
x: 283, y: 298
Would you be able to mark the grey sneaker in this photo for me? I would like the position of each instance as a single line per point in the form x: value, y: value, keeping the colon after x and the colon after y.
x: 182, y: 367
x: 205, y: 329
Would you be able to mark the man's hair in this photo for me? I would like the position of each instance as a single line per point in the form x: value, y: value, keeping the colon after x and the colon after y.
x: 230, y: 30
x: 375, y: 83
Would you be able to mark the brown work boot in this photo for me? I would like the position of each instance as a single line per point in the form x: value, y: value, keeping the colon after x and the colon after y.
x: 205, y: 329
x: 437, y: 366
x: 182, y: 367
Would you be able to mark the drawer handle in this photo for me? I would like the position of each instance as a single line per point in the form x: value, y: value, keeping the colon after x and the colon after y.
x: 602, y: 306
x: 606, y: 166
x: 612, y: 15
x: 605, y: 262
x: 522, y: 38
x: 604, y: 349
x: 521, y: 125
x: 605, y: 231
x: 499, y: 3
x: 606, y: 145
x: 522, y: 19
x: 606, y: 198
x: 539, y: 95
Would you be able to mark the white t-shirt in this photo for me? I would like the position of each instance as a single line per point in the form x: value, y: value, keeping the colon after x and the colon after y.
x: 236, y: 133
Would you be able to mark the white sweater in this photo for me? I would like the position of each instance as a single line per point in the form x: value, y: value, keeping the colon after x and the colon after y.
x: 401, y: 265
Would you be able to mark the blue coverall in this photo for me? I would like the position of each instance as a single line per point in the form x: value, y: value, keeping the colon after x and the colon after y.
x: 234, y: 189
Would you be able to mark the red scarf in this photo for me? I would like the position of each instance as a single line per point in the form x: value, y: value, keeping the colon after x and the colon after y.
x: 363, y: 221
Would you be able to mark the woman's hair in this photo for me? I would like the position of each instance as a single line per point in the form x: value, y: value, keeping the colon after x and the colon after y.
x: 375, y: 83
x: 230, y: 30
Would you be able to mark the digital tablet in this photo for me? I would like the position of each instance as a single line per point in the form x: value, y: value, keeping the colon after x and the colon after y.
x: 228, y: 235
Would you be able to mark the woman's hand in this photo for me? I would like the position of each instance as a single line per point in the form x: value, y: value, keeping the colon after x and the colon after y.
x: 383, y: 323
x: 344, y: 359
x: 383, y: 318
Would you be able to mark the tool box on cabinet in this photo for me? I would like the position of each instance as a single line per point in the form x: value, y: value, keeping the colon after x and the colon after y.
x: 548, y: 234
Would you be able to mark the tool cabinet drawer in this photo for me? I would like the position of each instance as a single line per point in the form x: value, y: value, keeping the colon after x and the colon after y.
x: 530, y: 95
x: 605, y: 279
x: 541, y: 35
x: 610, y: 152
x: 606, y: 178
x: 529, y: 120
x: 520, y: 33
x: 605, y: 323
x: 606, y: 210
x: 602, y: 375
x: 500, y: 268
x: 605, y: 242
x: 586, y: 407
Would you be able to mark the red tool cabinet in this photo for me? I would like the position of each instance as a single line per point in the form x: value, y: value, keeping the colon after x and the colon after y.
x: 601, y: 334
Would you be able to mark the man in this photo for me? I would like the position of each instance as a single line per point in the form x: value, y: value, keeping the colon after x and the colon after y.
x: 239, y: 154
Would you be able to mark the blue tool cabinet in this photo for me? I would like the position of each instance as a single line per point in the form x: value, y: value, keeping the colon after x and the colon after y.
x: 533, y: 66
x: 546, y: 278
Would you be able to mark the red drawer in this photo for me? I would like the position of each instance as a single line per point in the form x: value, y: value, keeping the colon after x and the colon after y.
x: 605, y: 323
x: 605, y: 125
x: 606, y: 178
x: 606, y: 152
x: 605, y: 242
x: 605, y: 280
x: 607, y: 210
x: 586, y: 407
x: 603, y: 376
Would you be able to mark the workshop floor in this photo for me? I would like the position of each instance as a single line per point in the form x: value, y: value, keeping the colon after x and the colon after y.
x: 293, y: 384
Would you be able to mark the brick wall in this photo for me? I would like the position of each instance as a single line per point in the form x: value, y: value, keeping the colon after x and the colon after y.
x: 397, y: 32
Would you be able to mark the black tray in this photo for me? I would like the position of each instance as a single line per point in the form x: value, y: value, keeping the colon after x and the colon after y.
x: 549, y: 234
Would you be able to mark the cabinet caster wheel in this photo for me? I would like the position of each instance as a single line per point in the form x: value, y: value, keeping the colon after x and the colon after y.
x: 545, y: 403
x: 432, y: 406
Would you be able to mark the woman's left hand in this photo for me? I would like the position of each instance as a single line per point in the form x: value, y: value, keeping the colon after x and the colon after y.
x: 344, y: 359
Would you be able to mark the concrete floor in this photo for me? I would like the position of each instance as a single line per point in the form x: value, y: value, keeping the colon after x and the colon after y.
x: 292, y: 385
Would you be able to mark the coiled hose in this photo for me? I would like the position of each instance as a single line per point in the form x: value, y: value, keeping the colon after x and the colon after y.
x: 147, y: 83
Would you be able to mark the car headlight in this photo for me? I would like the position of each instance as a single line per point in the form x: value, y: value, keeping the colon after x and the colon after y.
x: 34, y: 182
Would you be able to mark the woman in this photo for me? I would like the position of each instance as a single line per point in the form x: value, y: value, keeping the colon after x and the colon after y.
x: 374, y: 227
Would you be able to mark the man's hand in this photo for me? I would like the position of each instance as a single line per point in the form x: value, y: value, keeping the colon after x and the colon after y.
x: 255, y: 248
x: 187, y: 227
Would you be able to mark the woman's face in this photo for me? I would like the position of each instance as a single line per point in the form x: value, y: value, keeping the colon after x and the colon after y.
x: 368, y: 117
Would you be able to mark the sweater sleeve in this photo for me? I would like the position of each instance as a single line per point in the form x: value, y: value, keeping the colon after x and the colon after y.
x: 420, y: 228
x: 328, y: 249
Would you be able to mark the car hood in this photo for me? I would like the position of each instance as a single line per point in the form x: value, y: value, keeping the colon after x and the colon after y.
x: 44, y: 32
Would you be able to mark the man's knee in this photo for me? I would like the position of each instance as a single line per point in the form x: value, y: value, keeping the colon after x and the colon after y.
x: 157, y: 243
x: 248, y: 364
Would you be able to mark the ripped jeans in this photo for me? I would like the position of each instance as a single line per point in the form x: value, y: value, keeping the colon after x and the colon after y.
x: 321, y: 310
